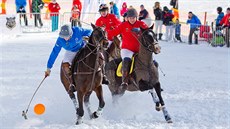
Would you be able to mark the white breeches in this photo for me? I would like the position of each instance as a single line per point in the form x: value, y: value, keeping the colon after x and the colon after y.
x: 68, y: 57
x: 126, y: 53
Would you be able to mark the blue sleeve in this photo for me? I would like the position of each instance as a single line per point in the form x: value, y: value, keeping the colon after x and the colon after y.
x: 54, y: 54
x: 220, y: 16
x: 86, y: 32
x: 188, y: 21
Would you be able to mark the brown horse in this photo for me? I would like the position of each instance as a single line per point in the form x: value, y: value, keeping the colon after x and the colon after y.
x: 87, y: 74
x: 145, y: 74
x: 113, y: 51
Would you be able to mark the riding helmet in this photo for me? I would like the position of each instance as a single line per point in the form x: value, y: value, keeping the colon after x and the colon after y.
x: 66, y: 31
x: 131, y: 13
x: 103, y: 7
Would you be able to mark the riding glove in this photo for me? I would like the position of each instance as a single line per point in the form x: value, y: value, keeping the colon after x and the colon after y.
x: 47, y: 72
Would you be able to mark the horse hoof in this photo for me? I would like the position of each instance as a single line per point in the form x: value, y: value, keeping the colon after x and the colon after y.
x: 79, y: 121
x: 95, y: 115
x: 158, y: 106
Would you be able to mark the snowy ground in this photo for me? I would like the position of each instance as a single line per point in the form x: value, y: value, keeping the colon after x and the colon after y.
x: 196, y: 89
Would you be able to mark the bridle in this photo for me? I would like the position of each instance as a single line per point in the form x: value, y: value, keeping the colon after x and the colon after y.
x: 146, y: 43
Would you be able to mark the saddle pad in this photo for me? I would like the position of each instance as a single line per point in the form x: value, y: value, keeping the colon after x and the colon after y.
x: 119, y: 68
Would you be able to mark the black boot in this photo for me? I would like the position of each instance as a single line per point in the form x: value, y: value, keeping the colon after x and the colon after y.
x: 160, y: 36
x: 126, y: 64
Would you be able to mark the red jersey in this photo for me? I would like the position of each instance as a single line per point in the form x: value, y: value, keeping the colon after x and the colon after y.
x: 225, y: 20
x: 54, y: 8
x: 109, y: 22
x: 129, y: 38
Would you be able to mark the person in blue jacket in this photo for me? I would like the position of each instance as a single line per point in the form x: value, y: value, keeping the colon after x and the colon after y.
x: 195, y: 23
x: 114, y: 9
x: 21, y: 9
x: 220, y: 16
x: 71, y: 39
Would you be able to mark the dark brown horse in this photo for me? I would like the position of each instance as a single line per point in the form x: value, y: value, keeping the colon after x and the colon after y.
x: 87, y: 74
x: 113, y: 51
x: 145, y: 74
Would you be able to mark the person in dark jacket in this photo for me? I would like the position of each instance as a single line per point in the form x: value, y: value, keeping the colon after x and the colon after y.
x: 37, y: 5
x: 167, y: 21
x: 143, y: 14
x: 158, y: 19
x: 195, y: 23
x: 174, y: 3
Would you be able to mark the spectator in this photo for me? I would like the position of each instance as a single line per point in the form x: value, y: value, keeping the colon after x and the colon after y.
x: 37, y: 5
x: 195, y: 23
x: 167, y: 21
x: 143, y: 14
x: 174, y: 3
x: 220, y: 16
x: 158, y: 19
x: 225, y: 19
x: 54, y: 14
x: 124, y: 9
x: 226, y: 24
x: 20, y: 8
x: 75, y: 16
x: 78, y: 4
x: 125, y: 17
x: 178, y: 30
x: 114, y: 9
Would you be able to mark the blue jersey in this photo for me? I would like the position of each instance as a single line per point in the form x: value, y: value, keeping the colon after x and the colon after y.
x: 74, y: 44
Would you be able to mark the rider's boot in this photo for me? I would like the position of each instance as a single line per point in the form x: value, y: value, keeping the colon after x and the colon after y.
x: 68, y: 74
x: 126, y: 64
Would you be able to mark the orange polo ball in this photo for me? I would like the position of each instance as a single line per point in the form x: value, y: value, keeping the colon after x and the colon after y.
x: 39, y: 109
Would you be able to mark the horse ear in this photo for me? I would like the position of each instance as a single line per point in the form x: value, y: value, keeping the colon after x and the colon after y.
x: 142, y: 30
x: 151, y: 27
x: 93, y: 26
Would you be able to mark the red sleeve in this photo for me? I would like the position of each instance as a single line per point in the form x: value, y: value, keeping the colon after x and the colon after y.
x: 223, y: 20
x: 116, y: 21
x: 58, y: 7
x: 114, y: 32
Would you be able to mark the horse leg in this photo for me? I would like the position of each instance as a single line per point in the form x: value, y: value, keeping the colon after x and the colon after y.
x: 80, y: 110
x: 99, y: 94
x: 162, y: 105
x: 87, y: 104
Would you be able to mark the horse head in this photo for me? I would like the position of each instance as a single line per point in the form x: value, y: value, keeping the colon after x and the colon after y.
x: 99, y: 36
x: 149, y: 41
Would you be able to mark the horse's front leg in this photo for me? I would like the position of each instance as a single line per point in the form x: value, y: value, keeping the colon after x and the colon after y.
x: 87, y: 104
x: 159, y: 101
x: 80, y: 110
x: 99, y: 94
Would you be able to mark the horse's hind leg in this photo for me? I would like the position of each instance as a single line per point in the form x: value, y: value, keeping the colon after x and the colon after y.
x: 80, y: 110
x: 87, y: 104
x: 99, y: 94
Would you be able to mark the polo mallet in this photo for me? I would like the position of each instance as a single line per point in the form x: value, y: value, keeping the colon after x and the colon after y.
x: 24, y: 112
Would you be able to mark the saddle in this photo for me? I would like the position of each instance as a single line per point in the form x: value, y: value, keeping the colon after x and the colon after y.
x: 119, y: 68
